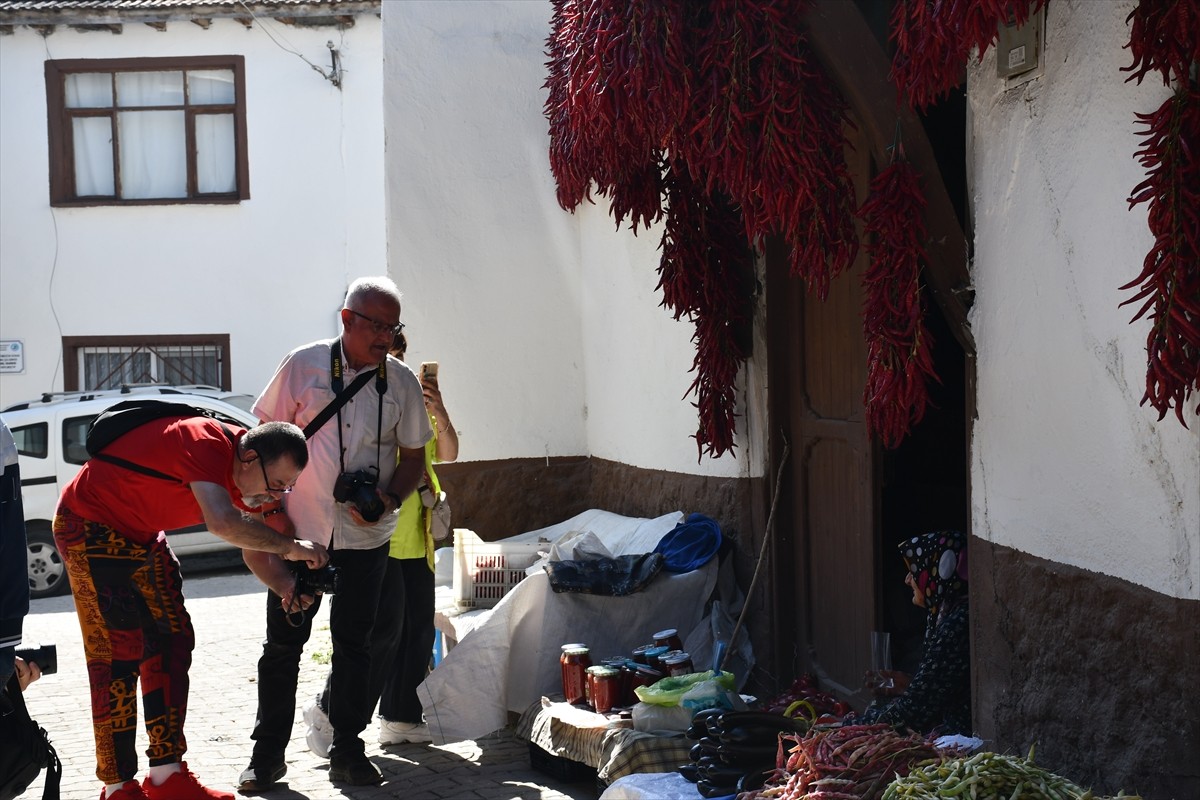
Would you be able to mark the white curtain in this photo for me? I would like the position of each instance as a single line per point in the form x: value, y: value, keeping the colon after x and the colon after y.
x: 93, y: 157
x: 153, y: 143
x: 215, y: 151
x: 153, y: 147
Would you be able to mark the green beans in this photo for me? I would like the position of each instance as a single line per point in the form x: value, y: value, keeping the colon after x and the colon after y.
x: 985, y: 775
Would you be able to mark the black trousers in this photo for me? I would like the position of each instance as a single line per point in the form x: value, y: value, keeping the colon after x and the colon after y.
x: 408, y: 664
x: 402, y: 641
x: 351, y: 620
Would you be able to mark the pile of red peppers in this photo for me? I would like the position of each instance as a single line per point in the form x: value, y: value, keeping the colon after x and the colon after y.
x: 716, y: 118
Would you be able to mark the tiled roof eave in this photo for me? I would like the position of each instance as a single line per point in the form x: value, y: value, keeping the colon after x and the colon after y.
x: 48, y: 14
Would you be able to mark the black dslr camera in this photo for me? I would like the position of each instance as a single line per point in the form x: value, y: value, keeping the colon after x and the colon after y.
x: 358, y: 489
x: 314, y: 581
x: 44, y: 655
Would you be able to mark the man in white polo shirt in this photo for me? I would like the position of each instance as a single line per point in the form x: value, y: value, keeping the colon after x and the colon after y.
x: 347, y: 498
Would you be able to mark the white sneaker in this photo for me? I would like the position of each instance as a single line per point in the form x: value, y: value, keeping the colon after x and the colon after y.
x: 320, y: 732
x: 403, y: 732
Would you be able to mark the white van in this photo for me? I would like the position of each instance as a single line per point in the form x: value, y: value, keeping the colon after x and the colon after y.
x: 50, y: 434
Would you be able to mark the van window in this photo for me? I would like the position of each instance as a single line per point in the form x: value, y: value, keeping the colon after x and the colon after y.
x: 31, y: 440
x: 75, y: 437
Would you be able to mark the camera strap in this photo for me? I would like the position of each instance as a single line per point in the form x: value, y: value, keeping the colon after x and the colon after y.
x: 343, y: 395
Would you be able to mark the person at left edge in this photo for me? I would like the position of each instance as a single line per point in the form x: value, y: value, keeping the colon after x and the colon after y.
x: 384, y: 420
x: 128, y: 588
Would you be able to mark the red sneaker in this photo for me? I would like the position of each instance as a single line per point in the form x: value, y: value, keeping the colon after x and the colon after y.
x: 131, y: 790
x: 182, y: 785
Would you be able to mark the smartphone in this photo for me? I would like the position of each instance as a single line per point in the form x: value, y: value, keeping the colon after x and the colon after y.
x: 429, y: 371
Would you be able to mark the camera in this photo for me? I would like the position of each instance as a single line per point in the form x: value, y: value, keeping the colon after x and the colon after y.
x: 358, y: 489
x: 44, y: 655
x: 315, y: 581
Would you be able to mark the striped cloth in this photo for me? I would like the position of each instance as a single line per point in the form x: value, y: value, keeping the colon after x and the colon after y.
x: 580, y: 735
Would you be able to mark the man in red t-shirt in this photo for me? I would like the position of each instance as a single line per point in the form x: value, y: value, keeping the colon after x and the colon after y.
x: 127, y: 585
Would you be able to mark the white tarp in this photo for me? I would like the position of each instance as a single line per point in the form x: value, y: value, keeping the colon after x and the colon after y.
x: 510, y: 659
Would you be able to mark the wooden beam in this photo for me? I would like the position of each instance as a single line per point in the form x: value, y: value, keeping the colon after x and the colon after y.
x: 44, y: 30
x: 158, y: 25
x: 856, y: 61
x: 7, y: 30
x: 111, y: 27
x: 203, y: 22
x: 246, y: 21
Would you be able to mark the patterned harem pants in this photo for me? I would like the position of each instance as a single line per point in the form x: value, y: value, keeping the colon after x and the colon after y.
x: 129, y: 600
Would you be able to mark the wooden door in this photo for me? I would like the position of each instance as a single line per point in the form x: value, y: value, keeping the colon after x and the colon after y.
x: 827, y: 578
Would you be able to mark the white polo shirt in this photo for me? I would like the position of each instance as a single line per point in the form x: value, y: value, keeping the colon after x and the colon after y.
x: 299, y: 390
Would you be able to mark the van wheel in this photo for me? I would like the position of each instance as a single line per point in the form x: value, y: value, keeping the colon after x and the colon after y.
x: 47, y: 573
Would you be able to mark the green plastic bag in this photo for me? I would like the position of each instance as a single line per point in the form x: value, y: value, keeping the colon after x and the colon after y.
x: 668, y: 691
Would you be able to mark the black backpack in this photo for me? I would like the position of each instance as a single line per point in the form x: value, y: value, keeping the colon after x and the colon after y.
x: 25, y: 749
x: 118, y: 420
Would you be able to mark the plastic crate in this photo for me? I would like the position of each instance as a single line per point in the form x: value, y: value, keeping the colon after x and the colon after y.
x: 486, y: 571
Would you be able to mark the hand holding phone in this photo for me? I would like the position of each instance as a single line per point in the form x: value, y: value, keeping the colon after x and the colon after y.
x: 429, y: 371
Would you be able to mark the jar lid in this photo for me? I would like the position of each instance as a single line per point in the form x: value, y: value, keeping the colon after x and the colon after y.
x: 576, y: 650
x: 676, y: 658
x: 648, y: 671
x: 574, y: 646
x: 644, y: 648
x: 668, y: 633
x: 604, y: 672
x: 655, y: 652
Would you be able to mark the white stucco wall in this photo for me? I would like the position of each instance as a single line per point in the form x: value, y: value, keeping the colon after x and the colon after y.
x: 546, y: 324
x: 1065, y: 464
x: 270, y: 271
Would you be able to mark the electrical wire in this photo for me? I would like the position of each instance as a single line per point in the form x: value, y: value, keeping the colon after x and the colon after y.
x: 53, y: 269
x: 333, y: 76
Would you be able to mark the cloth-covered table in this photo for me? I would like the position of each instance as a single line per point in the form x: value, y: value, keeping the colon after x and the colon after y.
x: 652, y: 786
x: 580, y: 735
x: 510, y: 658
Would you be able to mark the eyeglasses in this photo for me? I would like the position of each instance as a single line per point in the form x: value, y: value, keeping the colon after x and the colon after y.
x: 267, y: 481
x: 379, y: 327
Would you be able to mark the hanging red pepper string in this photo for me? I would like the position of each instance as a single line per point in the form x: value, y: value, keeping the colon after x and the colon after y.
x: 1168, y: 287
x: 899, y: 346
x: 727, y: 91
x: 1165, y: 38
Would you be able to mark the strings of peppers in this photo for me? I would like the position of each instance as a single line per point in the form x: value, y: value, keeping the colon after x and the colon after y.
x: 1165, y: 38
x: 721, y: 108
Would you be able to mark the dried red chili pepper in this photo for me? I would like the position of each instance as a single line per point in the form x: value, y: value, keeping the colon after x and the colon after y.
x: 899, y: 346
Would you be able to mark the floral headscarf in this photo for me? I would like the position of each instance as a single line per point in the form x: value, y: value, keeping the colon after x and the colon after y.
x: 938, y: 563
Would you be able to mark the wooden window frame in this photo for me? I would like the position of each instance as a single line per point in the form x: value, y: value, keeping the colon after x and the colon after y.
x: 73, y: 344
x: 61, y: 137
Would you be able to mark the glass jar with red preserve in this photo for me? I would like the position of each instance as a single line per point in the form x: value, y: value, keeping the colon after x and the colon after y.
x: 678, y: 663
x: 669, y: 639
x: 645, y: 676
x: 654, y: 656
x: 606, y: 688
x: 575, y: 660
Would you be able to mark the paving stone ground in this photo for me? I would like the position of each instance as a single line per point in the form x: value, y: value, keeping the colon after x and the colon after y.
x: 227, y: 613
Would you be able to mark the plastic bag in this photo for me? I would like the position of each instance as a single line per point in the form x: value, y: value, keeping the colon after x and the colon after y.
x: 669, y: 691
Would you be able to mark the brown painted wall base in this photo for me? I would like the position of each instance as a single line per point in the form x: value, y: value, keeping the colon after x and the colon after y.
x: 1102, y: 675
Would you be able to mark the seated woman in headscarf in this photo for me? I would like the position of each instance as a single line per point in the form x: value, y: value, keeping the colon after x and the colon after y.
x: 937, y: 699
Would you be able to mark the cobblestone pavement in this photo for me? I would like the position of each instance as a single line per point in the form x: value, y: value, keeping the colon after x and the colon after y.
x: 227, y: 612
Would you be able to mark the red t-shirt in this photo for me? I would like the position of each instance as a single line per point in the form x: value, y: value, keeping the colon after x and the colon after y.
x: 139, y: 506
